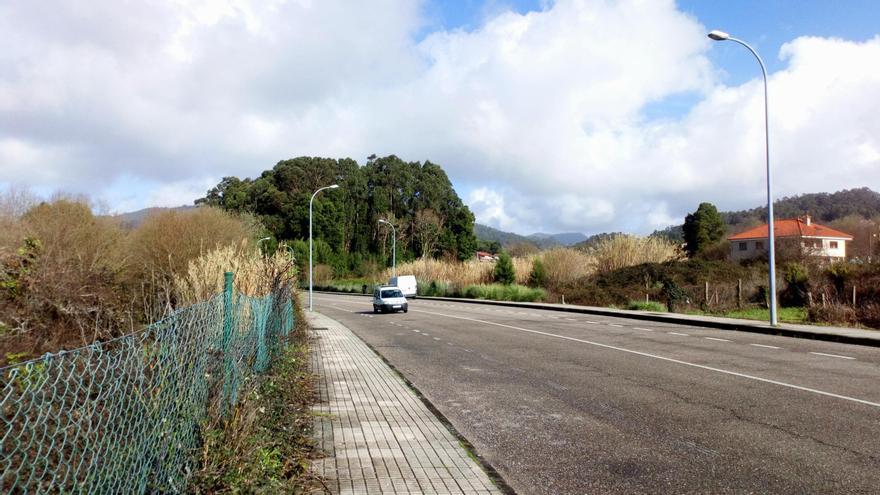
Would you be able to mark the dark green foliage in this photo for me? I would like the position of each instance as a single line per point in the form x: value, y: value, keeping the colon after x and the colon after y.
x: 538, y: 276
x: 417, y: 198
x: 824, y: 207
x: 797, y: 279
x: 504, y: 272
x: 702, y: 229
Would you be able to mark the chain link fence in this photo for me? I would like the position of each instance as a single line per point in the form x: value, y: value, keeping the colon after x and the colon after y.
x: 125, y: 415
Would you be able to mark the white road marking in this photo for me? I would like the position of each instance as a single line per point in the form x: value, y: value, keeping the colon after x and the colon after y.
x: 449, y: 343
x: 765, y: 346
x: 592, y: 322
x: 831, y: 355
x: 667, y: 359
x: 716, y: 339
x: 643, y: 329
x: 677, y: 333
x: 416, y: 331
x: 571, y: 319
x: 435, y: 338
x: 615, y: 325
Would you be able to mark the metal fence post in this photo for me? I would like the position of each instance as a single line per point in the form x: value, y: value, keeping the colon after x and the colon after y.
x: 228, y: 319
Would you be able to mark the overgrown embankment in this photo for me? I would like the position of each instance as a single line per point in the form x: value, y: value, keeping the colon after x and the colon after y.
x: 266, y: 445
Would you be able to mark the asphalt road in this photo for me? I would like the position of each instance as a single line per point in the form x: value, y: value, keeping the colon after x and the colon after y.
x: 565, y: 403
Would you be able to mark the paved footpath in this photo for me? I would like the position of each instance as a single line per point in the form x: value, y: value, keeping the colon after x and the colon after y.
x: 378, y: 436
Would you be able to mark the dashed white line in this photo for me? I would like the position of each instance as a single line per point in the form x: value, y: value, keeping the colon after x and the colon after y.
x: 832, y: 355
x: 615, y: 325
x: 677, y: 333
x: 643, y: 329
x: 670, y: 360
x: 435, y: 338
x: 765, y: 346
x: 716, y: 339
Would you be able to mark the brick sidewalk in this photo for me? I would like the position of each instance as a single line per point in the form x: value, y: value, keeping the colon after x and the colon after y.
x: 378, y: 436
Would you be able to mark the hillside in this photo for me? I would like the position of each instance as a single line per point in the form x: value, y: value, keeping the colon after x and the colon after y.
x: 540, y: 240
x: 824, y: 207
x: 486, y: 233
x: 133, y: 219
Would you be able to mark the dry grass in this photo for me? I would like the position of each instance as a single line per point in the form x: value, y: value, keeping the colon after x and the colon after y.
x: 253, y: 272
x: 457, y: 273
x: 564, y: 265
x: 628, y: 250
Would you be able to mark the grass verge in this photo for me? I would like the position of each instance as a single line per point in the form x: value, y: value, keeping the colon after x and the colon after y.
x: 266, y: 445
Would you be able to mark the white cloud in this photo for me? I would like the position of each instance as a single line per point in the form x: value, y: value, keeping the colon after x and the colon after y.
x: 541, y: 116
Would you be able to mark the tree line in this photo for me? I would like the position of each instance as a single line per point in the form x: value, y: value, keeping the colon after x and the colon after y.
x: 416, y: 197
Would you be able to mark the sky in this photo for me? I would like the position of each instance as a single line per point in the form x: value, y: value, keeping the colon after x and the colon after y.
x: 554, y: 116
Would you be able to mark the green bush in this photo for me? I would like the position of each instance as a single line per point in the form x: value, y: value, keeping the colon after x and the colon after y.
x: 504, y: 271
x: 499, y: 292
x: 538, y: 277
x: 646, y: 306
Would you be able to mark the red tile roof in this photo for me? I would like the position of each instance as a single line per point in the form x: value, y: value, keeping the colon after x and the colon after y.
x: 794, y: 227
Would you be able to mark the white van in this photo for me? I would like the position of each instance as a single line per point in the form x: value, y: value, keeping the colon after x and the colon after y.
x: 389, y: 299
x: 406, y: 284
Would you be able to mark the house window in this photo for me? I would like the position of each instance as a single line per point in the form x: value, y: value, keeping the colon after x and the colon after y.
x: 743, y: 246
x: 759, y: 245
x: 833, y: 244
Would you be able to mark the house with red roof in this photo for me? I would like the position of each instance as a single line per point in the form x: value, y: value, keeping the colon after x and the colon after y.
x: 813, y: 239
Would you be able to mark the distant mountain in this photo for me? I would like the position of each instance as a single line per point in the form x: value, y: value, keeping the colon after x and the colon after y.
x: 486, y: 233
x: 563, y: 239
x: 539, y: 239
x: 133, y: 219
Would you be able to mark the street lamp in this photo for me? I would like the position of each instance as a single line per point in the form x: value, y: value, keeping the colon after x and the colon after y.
x: 334, y: 186
x: 393, y: 247
x: 722, y: 36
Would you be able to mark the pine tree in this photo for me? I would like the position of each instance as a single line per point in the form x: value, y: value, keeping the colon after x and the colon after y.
x: 504, y: 271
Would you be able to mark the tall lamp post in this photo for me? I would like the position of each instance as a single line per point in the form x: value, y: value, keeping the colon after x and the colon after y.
x: 722, y: 36
x: 393, y: 247
x: 334, y: 186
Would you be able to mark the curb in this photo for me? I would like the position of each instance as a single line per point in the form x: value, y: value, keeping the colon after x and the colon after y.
x: 783, y: 330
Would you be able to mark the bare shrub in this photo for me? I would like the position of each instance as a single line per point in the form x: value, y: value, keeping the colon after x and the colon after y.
x: 162, y: 247
x: 322, y: 273
x: 627, y: 250
x: 59, y: 284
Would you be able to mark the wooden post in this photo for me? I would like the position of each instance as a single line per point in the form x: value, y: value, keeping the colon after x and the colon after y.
x: 809, y: 299
x: 707, y: 294
x: 647, y: 297
x: 854, y: 295
x: 823, y: 299
x: 739, y: 293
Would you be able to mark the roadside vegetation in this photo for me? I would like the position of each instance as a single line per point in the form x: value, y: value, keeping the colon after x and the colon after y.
x: 266, y: 445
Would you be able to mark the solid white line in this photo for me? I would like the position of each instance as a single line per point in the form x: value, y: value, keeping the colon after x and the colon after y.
x: 765, y: 346
x: 676, y: 333
x: 643, y: 329
x: 831, y: 355
x: 714, y: 338
x: 662, y: 358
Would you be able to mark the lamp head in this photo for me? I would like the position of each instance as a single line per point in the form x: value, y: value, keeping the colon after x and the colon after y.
x: 334, y: 186
x: 718, y: 35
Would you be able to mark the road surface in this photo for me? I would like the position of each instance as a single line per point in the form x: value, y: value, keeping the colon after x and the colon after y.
x: 569, y: 403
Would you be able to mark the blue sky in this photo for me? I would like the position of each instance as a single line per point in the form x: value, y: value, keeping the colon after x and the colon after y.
x: 567, y: 115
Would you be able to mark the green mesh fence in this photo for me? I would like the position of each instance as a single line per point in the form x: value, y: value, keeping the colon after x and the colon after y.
x: 124, y: 416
